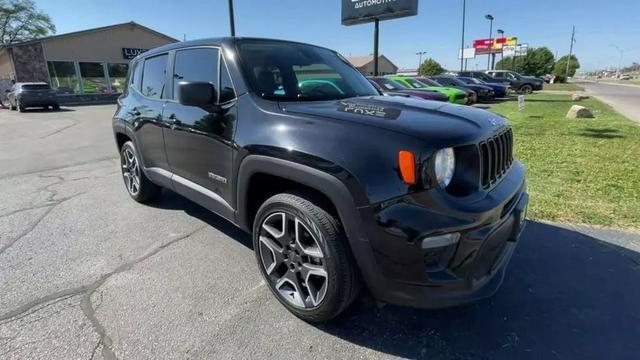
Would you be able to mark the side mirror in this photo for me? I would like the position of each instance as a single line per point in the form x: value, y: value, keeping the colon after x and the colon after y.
x: 7, y: 91
x: 200, y: 94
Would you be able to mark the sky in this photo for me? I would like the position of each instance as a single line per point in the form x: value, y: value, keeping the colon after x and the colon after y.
x: 436, y: 29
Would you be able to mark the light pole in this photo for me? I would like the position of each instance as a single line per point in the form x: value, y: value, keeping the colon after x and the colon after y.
x: 490, y: 18
x: 420, y: 53
x: 501, y: 34
x: 464, y: 14
x: 619, y: 61
x: 232, y: 22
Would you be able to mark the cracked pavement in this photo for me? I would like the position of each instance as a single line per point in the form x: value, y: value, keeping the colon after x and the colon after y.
x: 87, y: 273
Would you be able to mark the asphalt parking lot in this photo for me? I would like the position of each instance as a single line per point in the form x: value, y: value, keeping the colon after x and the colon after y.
x: 86, y: 273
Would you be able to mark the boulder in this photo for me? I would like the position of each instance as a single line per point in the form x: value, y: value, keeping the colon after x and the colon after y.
x: 579, y: 97
x: 579, y: 112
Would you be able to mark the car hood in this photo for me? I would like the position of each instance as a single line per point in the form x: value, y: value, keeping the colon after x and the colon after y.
x: 442, y: 124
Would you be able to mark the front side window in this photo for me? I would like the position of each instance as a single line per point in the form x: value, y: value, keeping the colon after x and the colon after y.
x: 416, y: 84
x: 227, y: 93
x: 63, y: 77
x: 195, y: 65
x: 498, y: 75
x: 390, y: 84
x: 153, y: 76
x: 93, y: 79
x: 298, y: 72
x: 117, y: 76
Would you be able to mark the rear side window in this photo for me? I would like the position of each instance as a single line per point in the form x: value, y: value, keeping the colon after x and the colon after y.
x: 153, y: 77
x: 199, y: 65
x: 36, y: 87
x: 497, y: 75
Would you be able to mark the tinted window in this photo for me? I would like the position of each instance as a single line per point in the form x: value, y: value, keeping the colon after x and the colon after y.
x: 226, y: 86
x: 36, y: 87
x: 498, y: 75
x: 199, y: 65
x: 153, y: 76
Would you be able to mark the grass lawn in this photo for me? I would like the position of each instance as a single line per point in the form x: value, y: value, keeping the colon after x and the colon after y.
x: 578, y: 171
x: 563, y: 87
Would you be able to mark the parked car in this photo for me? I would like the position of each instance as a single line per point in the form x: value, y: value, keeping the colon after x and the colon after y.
x: 421, y: 201
x: 625, y: 77
x: 471, y: 95
x: 480, y: 75
x: 499, y: 90
x: 31, y: 94
x: 522, y: 84
x: 388, y: 86
x: 483, y: 93
x: 455, y: 96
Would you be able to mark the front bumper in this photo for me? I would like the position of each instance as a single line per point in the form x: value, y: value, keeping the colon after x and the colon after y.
x: 407, y: 270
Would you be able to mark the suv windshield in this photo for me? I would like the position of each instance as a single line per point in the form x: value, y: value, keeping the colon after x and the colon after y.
x: 297, y: 72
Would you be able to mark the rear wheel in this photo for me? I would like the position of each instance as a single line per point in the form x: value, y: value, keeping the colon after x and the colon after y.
x: 304, y: 258
x: 139, y: 187
x: 526, y: 89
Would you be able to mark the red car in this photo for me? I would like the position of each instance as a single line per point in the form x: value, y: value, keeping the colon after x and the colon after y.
x: 391, y: 87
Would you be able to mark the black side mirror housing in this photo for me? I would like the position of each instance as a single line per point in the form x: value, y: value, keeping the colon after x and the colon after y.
x: 200, y: 94
x: 7, y: 91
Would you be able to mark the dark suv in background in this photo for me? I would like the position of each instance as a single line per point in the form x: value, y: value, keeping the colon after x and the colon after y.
x: 421, y: 201
x: 36, y: 94
x: 522, y: 84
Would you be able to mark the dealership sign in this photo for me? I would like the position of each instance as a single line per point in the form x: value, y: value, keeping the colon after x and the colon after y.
x: 363, y: 11
x: 493, y: 46
x: 130, y: 53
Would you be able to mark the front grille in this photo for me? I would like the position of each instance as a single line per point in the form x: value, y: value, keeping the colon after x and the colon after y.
x: 496, y: 157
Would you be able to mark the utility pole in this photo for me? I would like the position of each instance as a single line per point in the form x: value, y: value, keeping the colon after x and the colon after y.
x: 232, y: 23
x: 573, y: 36
x: 420, y: 53
x: 464, y: 14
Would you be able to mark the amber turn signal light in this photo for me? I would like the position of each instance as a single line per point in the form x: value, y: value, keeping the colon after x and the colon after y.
x: 407, y: 164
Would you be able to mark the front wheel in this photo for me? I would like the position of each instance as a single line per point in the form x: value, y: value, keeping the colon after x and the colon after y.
x: 304, y: 258
x: 139, y: 187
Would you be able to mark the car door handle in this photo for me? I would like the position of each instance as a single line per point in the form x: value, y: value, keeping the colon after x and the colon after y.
x: 173, y: 119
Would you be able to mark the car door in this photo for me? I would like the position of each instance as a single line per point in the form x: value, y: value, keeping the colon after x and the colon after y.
x: 146, y: 110
x: 199, y: 141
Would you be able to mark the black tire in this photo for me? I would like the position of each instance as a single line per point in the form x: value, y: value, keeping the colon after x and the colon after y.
x: 526, y: 89
x: 145, y: 191
x: 342, y: 276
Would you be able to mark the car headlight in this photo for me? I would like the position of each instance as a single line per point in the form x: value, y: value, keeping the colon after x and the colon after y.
x: 444, y: 166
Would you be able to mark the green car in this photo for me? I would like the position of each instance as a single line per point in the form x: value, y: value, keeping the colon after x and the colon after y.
x: 455, y: 96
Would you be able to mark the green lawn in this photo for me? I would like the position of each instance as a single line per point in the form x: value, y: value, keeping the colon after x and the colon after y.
x: 563, y: 87
x: 579, y: 171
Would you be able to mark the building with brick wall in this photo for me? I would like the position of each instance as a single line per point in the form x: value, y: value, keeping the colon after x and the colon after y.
x: 84, y: 66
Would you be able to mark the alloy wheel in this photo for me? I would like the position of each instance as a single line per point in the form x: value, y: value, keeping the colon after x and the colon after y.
x: 293, y: 260
x: 130, y: 171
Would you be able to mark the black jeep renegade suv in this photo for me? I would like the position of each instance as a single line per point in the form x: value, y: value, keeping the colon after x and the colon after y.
x: 420, y: 201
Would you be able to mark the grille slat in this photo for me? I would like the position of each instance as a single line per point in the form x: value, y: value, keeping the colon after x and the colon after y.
x: 496, y: 157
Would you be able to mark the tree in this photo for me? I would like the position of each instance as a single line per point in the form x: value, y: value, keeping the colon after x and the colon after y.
x: 20, y: 20
x: 430, y: 67
x: 560, y: 68
x: 536, y: 62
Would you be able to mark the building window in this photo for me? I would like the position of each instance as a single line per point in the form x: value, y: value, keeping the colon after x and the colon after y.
x: 63, y: 77
x: 117, y: 76
x: 93, y: 79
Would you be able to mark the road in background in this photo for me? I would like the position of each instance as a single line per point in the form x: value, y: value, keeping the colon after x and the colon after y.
x: 87, y: 273
x: 624, y: 98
